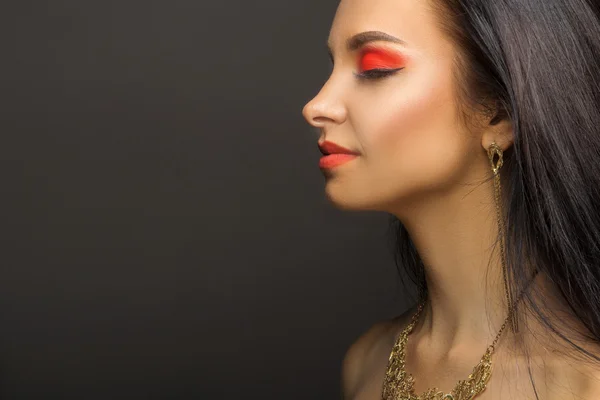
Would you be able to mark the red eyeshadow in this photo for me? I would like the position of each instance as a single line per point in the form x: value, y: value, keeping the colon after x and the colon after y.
x: 380, y: 59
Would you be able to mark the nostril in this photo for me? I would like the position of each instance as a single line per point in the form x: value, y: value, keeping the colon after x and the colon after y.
x: 320, y: 111
x: 312, y: 116
x: 320, y: 121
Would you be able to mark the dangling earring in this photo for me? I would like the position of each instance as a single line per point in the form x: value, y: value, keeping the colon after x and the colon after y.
x: 493, y: 151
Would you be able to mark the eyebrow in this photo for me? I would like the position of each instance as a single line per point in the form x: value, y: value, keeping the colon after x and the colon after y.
x: 360, y: 39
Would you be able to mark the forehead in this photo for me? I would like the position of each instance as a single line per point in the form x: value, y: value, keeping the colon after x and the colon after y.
x: 413, y: 21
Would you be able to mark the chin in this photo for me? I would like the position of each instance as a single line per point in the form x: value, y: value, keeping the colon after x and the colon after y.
x: 349, y: 200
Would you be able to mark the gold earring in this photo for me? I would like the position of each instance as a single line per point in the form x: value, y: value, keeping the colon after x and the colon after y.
x: 495, y: 151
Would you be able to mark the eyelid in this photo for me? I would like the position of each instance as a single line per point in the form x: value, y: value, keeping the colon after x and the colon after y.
x: 385, y: 46
x: 382, y: 63
x: 392, y: 55
x: 374, y: 74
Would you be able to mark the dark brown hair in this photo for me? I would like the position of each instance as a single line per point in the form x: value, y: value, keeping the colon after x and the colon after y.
x: 537, y: 63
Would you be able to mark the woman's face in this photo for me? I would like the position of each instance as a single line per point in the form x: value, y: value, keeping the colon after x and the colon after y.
x: 392, y: 98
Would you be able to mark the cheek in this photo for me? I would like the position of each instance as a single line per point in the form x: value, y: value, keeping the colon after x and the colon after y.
x: 405, y: 119
x: 413, y: 132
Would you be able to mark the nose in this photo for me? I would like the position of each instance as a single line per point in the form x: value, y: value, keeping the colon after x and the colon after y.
x: 326, y: 107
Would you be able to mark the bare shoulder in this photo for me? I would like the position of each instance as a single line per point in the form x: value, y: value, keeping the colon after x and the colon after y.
x: 370, y: 352
x: 591, y: 385
x: 584, y: 380
x: 574, y: 383
x: 568, y: 378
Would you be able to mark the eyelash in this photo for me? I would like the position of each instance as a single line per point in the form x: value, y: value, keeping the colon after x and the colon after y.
x: 377, y: 73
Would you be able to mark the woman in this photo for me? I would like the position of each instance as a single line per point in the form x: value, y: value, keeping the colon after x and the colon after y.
x: 476, y: 125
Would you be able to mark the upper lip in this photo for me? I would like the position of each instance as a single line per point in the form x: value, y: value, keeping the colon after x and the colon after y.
x: 327, y: 147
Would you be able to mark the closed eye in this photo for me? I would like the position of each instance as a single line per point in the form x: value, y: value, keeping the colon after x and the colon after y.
x: 377, y: 73
x: 377, y: 63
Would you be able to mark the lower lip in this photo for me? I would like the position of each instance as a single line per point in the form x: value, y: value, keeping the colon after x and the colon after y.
x: 334, y: 160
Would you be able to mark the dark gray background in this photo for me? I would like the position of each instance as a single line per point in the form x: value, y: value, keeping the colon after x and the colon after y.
x: 165, y: 233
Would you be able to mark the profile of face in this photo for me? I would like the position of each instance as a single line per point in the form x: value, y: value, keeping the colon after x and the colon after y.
x: 392, y: 98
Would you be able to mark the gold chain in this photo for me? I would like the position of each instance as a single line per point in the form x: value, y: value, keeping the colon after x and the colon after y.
x: 493, y: 151
x: 399, y: 384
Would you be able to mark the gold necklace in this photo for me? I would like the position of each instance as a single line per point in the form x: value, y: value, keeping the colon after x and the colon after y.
x: 399, y: 384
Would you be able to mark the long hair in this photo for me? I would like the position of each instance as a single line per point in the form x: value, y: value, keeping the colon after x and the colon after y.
x: 537, y: 63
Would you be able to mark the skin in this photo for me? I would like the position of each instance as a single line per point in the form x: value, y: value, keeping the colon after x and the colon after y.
x: 420, y: 162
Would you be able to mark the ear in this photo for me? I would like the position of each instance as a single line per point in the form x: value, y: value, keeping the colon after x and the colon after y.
x: 500, y: 132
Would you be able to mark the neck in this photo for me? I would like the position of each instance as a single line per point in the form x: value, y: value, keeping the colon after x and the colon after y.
x: 455, y: 235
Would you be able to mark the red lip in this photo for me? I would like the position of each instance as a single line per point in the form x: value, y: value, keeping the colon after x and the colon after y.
x: 327, y: 148
x: 335, y: 160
